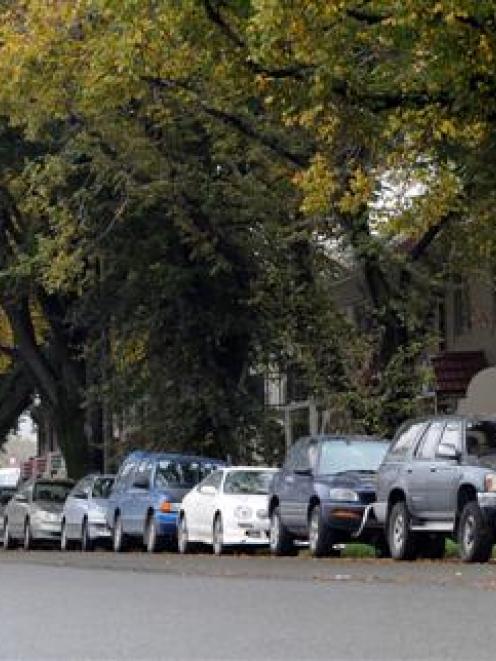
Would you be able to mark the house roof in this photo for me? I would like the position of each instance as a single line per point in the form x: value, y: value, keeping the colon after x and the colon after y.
x: 455, y: 369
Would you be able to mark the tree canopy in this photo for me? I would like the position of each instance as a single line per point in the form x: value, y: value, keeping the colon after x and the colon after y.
x: 181, y: 184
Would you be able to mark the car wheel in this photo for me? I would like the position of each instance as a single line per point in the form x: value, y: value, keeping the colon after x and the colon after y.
x: 319, y: 537
x: 65, y: 544
x: 28, y: 537
x: 151, y: 538
x: 402, y: 541
x: 218, y: 536
x: 86, y: 541
x: 475, y: 538
x: 280, y: 540
x: 433, y: 548
x: 183, y: 543
x: 119, y: 541
x: 8, y: 542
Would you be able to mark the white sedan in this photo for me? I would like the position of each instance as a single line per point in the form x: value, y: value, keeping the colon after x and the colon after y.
x: 229, y: 508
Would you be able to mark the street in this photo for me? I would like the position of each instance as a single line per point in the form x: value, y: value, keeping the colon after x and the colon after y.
x: 137, y: 606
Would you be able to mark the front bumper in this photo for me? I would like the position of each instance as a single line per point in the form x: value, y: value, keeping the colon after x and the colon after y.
x: 45, y: 530
x: 99, y: 530
x: 352, y: 519
x: 246, y: 532
x: 487, y: 503
x: 167, y: 523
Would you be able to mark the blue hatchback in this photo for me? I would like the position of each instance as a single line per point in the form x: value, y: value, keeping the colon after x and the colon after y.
x: 148, y: 489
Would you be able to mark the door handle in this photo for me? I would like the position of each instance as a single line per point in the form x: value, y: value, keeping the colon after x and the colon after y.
x: 433, y: 469
x: 409, y: 470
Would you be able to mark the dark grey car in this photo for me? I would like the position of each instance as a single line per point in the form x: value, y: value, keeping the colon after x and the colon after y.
x: 438, y: 480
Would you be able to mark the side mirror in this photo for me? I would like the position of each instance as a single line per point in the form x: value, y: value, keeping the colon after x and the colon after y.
x: 141, y: 482
x: 208, y: 490
x: 305, y: 472
x: 448, y: 451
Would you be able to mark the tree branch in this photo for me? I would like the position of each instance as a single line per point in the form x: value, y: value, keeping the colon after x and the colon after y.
x: 235, y: 121
x: 423, y: 244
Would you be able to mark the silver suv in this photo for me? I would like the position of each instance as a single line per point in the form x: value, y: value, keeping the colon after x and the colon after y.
x: 438, y: 480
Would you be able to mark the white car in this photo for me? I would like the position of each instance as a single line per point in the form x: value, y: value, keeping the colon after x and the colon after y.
x: 229, y: 508
x: 84, y: 519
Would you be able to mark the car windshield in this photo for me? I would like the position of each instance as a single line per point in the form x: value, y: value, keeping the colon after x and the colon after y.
x: 102, y: 487
x: 55, y: 492
x: 181, y: 474
x: 248, y: 482
x: 481, y: 438
x: 6, y: 495
x: 353, y: 456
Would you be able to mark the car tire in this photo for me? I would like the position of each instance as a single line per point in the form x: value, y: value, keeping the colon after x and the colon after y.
x: 151, y: 539
x: 218, y: 536
x: 65, y: 543
x: 8, y: 541
x: 281, y: 541
x: 87, y: 543
x: 183, y: 543
x: 475, y: 538
x: 319, y: 536
x: 402, y: 541
x: 119, y: 539
x: 28, y: 543
x: 433, y: 547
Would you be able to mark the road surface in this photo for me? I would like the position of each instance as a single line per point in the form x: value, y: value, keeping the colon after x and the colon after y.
x: 136, y: 606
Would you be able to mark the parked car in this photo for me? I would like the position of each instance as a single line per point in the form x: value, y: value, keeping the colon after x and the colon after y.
x: 229, y: 508
x: 35, y: 512
x: 322, y: 492
x: 146, y: 496
x: 437, y: 480
x: 84, y: 517
x: 6, y: 494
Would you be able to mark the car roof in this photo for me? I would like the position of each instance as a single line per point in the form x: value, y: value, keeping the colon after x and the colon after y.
x: 232, y: 469
x: 446, y: 417
x: 348, y: 438
x: 156, y: 456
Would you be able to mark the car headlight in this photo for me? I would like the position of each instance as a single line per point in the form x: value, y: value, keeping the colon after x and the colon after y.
x: 243, y: 512
x: 341, y: 494
x: 490, y: 482
x: 262, y: 514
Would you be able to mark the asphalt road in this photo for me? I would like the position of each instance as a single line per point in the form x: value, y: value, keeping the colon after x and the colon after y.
x: 136, y: 606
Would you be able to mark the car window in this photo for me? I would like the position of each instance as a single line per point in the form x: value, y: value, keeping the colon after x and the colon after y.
x: 341, y: 456
x: 481, y: 438
x: 213, y: 480
x: 180, y: 473
x: 291, y: 457
x: 144, y: 470
x: 406, y: 440
x: 430, y: 441
x: 102, y: 487
x: 248, y: 482
x: 81, y: 488
x: 452, y: 435
x: 125, y: 471
x: 55, y: 492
